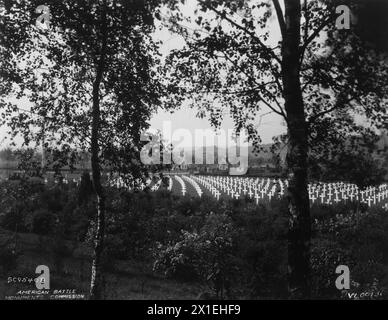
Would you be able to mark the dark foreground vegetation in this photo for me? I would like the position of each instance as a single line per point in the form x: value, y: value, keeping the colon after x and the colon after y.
x: 161, y: 246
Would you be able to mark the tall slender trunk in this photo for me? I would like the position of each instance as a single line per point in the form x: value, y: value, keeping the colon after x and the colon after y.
x: 43, y: 159
x: 96, y: 280
x: 299, y: 233
x: 96, y: 284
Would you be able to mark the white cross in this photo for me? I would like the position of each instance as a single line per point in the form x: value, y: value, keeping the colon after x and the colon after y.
x: 257, y: 197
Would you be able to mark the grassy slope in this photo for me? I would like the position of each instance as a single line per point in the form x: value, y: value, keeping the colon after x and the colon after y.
x: 129, y: 280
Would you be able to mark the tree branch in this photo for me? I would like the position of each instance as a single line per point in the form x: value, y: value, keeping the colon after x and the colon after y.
x: 306, y: 23
x: 314, y: 35
x: 280, y: 16
x: 280, y: 111
x: 252, y: 34
x: 338, y: 105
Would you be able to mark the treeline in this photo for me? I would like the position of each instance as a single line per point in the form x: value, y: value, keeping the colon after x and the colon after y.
x: 17, y: 158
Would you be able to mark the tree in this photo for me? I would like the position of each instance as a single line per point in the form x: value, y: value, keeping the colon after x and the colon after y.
x: 314, y: 75
x: 92, y: 79
x: 85, y: 188
x: 28, y: 162
x: 353, y: 160
x: 7, y: 154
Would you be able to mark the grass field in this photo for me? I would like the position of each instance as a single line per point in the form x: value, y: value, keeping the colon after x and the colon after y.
x: 132, y: 280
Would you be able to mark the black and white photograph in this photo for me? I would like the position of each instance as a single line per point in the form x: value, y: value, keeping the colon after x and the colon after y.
x: 210, y: 151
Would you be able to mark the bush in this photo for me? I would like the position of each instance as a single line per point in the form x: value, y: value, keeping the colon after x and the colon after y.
x: 43, y: 222
x: 8, y: 259
x: 14, y: 219
x: 209, y: 254
x: 85, y: 189
x: 358, y: 240
x: 325, y: 257
x: 178, y: 260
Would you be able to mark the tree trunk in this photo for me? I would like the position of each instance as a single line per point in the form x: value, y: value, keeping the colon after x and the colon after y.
x: 96, y: 284
x: 96, y: 280
x: 299, y: 233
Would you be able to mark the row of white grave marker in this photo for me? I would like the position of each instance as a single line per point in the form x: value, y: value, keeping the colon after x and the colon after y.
x: 169, y: 188
x: 265, y: 189
x: 182, y: 183
x: 194, y: 184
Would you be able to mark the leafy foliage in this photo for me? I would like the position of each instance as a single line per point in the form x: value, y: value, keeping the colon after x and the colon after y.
x: 55, y: 70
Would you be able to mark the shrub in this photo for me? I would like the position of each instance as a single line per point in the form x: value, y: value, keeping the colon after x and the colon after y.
x: 209, y: 254
x: 85, y: 189
x: 14, y: 219
x: 43, y: 222
x: 8, y: 258
x: 179, y: 260
x: 358, y: 240
x: 325, y: 257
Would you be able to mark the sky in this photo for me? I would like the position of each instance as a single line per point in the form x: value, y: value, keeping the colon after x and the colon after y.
x: 184, y: 117
x: 269, y: 125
